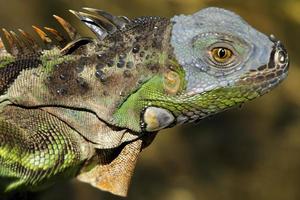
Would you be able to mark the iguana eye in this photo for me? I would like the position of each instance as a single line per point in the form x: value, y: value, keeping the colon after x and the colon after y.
x: 221, y: 55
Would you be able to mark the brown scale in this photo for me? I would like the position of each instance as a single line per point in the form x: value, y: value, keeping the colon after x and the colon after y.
x: 65, y: 80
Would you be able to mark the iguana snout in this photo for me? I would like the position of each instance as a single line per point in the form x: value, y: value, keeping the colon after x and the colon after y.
x: 269, y: 75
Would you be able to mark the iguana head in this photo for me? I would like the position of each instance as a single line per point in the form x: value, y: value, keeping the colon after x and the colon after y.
x: 226, y: 62
x: 218, y: 49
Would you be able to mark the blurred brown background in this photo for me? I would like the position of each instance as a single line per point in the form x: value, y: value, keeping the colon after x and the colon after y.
x: 248, y: 153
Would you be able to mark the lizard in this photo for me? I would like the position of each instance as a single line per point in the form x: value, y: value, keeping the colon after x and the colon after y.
x: 85, y: 107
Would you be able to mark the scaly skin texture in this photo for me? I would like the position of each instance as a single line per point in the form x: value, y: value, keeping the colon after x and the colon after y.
x: 87, y: 107
x: 43, y: 142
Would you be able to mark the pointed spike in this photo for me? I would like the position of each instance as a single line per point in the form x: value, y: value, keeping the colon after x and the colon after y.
x: 14, y: 36
x: 102, y: 13
x: 125, y: 19
x: 100, y: 31
x: 1, y: 44
x: 27, y: 36
x: 2, y: 47
x: 30, y: 40
x: 119, y: 22
x: 68, y: 27
x: 44, y: 37
x: 11, y: 43
x: 22, y: 48
x: 74, y: 12
x: 25, y: 47
x: 57, y: 35
x: 7, y: 37
x: 94, y: 10
x: 103, y: 23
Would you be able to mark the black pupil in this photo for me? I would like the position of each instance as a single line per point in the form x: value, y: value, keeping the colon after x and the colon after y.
x: 222, y: 53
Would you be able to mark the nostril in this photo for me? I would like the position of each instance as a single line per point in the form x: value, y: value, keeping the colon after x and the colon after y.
x: 279, y: 58
x: 280, y: 54
x: 282, y: 57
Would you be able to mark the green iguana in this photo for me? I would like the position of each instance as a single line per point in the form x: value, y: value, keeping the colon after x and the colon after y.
x: 85, y: 107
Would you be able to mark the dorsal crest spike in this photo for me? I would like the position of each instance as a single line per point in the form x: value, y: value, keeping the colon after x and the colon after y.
x: 57, y: 36
x: 71, y: 31
x: 119, y: 22
x: 1, y: 44
x: 23, y: 48
x: 126, y: 19
x: 16, y: 41
x: 30, y: 40
x: 2, y: 47
x: 44, y: 37
x: 100, y: 22
x: 13, y: 49
x: 95, y: 27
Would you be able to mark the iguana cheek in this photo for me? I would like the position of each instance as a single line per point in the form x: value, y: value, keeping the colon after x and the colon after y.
x: 156, y: 119
x: 171, y: 83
